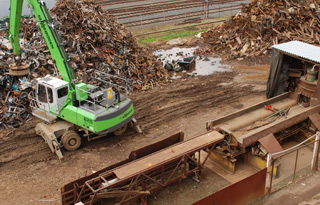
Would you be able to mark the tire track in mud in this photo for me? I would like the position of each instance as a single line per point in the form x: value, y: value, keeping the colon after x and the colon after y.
x: 187, y: 98
x: 153, y: 108
x: 23, y: 147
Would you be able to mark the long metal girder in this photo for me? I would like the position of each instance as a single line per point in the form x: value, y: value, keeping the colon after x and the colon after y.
x: 137, y: 179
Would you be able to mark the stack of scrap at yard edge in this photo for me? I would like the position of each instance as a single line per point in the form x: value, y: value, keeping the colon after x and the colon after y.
x: 94, y: 41
x: 264, y: 23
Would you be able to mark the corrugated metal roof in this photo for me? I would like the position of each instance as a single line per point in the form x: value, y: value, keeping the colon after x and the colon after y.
x: 300, y: 49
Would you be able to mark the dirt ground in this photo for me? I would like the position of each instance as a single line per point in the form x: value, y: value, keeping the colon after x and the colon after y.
x: 303, y: 192
x: 31, y: 174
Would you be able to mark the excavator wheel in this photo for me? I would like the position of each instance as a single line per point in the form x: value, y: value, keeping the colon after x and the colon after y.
x: 121, y: 130
x: 71, y: 140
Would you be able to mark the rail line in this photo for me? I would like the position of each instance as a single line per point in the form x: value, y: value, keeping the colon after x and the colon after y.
x: 145, y: 8
x: 176, y: 17
x: 133, y: 13
x: 111, y: 2
x: 180, y: 3
x: 154, y: 10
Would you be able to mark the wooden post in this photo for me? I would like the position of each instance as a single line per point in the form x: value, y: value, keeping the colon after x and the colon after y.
x: 269, y: 175
x: 295, y: 166
x: 205, y: 9
x: 315, y: 157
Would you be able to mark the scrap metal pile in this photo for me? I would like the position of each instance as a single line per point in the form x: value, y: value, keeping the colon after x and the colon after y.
x: 93, y: 40
x: 96, y: 41
x: 264, y: 23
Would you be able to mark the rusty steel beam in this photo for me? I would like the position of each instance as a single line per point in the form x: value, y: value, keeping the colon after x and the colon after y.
x: 252, y: 138
x: 70, y: 191
x: 211, y: 124
x: 140, y: 177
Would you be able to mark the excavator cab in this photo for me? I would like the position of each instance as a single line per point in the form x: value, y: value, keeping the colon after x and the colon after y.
x: 51, y: 94
x: 71, y: 107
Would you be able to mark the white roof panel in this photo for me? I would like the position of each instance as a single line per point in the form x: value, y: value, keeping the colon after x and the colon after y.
x: 53, y: 81
x: 300, y: 49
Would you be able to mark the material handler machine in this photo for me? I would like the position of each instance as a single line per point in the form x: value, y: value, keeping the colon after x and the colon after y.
x: 68, y: 106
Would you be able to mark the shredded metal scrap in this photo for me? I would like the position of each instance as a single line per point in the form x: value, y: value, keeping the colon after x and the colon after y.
x: 96, y: 41
x: 264, y: 23
x: 93, y: 40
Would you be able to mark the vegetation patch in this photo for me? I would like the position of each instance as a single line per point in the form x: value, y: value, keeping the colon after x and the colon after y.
x: 169, y: 35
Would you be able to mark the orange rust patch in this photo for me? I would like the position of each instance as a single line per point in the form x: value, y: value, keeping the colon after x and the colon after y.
x: 258, y: 77
x: 256, y: 67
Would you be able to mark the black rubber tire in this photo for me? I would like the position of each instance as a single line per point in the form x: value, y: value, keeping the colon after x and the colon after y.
x: 121, y: 130
x: 71, y: 140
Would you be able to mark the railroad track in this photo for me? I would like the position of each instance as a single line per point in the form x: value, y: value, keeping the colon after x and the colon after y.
x: 176, y: 17
x: 127, y: 13
x: 133, y: 13
x: 175, y: 5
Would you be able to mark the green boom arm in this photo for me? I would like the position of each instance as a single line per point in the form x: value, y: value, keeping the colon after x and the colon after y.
x: 50, y: 34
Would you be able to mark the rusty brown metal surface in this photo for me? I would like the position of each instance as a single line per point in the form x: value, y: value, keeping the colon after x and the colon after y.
x: 235, y: 36
x: 242, y: 192
x: 182, y: 162
x: 149, y: 149
x: 270, y: 143
x: 19, y: 70
x: 317, y: 93
x: 67, y: 191
x: 93, y: 40
x: 251, y: 138
x: 307, y: 88
x: 164, y: 155
x: 315, y: 119
x: 225, y: 118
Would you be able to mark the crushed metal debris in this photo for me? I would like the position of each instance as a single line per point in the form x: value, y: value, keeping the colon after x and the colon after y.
x: 264, y: 23
x: 94, y: 41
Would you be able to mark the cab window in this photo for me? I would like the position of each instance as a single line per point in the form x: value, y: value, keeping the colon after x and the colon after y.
x: 63, y: 92
x: 50, y: 95
x: 42, y: 94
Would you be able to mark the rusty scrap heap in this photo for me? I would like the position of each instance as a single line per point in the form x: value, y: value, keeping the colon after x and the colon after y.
x: 264, y: 23
x: 93, y: 40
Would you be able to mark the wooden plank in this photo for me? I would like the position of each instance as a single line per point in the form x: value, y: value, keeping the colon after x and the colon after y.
x: 162, y: 156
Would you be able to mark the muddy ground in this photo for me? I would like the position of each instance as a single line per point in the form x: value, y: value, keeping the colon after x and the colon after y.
x: 31, y: 174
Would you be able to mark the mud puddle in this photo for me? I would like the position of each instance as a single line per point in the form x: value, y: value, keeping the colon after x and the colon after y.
x: 182, y: 61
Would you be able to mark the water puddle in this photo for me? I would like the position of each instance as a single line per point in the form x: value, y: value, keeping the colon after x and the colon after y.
x: 183, y: 61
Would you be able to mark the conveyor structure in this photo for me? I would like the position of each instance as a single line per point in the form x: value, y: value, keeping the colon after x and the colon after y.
x: 136, y: 179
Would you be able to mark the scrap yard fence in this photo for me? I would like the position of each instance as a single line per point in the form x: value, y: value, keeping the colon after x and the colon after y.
x: 296, y: 163
x: 136, y: 14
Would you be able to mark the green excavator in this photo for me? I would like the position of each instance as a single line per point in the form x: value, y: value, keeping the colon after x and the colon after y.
x: 70, y: 108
